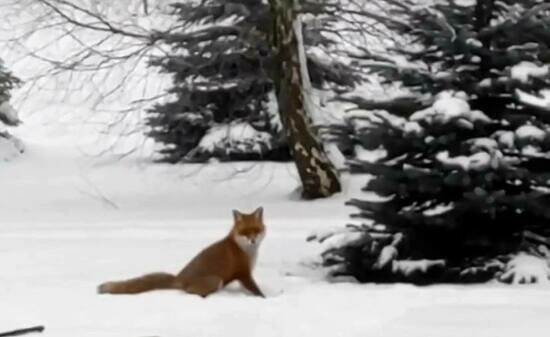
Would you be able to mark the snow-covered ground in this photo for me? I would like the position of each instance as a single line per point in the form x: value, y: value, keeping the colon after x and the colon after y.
x: 70, y: 221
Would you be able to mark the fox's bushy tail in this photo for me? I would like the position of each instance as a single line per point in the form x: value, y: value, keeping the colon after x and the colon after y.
x: 140, y: 284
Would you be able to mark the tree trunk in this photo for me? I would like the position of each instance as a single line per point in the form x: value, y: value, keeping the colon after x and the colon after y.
x: 318, y: 175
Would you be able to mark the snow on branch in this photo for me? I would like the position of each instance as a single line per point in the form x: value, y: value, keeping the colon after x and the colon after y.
x: 541, y: 102
x: 524, y: 71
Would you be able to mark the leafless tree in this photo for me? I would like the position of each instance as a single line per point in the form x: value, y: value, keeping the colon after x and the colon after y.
x: 90, y: 53
x: 104, y: 42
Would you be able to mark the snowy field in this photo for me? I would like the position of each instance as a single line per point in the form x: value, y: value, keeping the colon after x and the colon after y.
x: 69, y: 222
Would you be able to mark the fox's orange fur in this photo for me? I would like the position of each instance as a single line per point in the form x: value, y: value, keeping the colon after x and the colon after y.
x: 227, y: 260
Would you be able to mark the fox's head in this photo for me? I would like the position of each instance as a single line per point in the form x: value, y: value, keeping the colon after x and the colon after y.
x: 248, y: 229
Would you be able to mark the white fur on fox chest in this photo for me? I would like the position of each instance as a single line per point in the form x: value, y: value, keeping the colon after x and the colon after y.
x: 249, y: 247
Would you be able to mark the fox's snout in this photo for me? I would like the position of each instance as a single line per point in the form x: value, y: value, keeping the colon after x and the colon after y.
x: 251, y: 239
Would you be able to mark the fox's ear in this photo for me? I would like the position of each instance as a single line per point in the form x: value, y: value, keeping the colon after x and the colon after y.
x: 238, y: 216
x: 259, y: 213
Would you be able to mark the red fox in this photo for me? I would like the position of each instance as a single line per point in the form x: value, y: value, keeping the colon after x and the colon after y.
x: 227, y: 260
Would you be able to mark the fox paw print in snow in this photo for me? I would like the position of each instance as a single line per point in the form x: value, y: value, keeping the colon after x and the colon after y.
x: 526, y: 268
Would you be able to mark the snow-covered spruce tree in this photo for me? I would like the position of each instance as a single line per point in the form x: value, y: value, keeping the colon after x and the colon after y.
x: 10, y: 146
x: 223, y: 103
x: 463, y: 184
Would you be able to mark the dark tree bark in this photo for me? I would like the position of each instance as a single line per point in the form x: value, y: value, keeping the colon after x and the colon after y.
x: 318, y: 175
x: 146, y: 7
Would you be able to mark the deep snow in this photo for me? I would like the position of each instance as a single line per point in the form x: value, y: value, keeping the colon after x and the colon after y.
x: 70, y: 221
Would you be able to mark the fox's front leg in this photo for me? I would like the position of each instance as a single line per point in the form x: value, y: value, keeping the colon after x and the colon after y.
x: 248, y: 282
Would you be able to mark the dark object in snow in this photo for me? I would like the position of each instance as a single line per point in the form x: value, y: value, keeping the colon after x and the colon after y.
x: 465, y: 173
x: 19, y: 332
x: 222, y: 103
